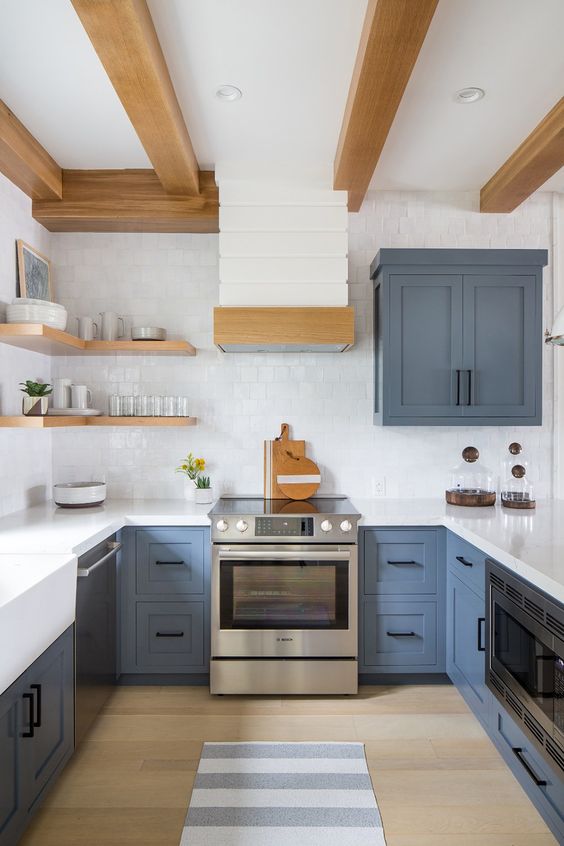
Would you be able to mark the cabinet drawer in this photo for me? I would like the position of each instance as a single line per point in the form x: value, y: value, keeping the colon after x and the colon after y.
x: 399, y: 634
x: 403, y: 561
x: 170, y: 561
x: 170, y: 635
x: 467, y: 563
x: 529, y: 767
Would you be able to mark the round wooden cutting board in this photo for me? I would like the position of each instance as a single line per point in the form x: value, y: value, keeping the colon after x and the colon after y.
x: 297, y: 477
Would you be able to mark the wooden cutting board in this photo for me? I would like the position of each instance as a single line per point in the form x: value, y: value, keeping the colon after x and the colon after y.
x: 297, y: 477
x: 273, y: 450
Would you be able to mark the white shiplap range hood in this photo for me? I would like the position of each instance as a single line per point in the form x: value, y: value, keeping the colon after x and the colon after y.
x: 282, y: 268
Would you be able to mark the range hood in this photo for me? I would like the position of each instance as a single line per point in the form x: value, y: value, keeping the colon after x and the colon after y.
x: 284, y: 329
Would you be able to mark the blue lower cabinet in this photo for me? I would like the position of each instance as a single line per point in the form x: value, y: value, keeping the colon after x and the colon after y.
x: 164, y: 587
x: 543, y: 783
x: 399, y: 561
x: 36, y: 734
x: 399, y: 636
x: 466, y: 644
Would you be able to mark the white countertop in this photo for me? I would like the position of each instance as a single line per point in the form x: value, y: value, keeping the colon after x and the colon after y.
x: 531, y: 543
x: 38, y: 548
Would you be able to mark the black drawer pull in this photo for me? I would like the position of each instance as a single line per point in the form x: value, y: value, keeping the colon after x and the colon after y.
x: 518, y: 752
x: 402, y: 563
x: 37, y: 720
x: 31, y: 731
x: 463, y: 560
x: 401, y: 634
x: 170, y: 634
x: 169, y: 563
x: 481, y: 647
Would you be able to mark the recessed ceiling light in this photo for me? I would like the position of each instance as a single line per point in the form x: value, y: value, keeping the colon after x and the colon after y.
x: 228, y: 92
x: 469, y: 95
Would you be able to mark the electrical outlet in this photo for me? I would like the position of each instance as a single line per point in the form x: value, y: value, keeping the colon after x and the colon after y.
x: 379, y: 486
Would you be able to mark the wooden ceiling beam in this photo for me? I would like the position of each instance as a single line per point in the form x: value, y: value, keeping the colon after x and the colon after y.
x: 538, y: 158
x: 24, y: 161
x: 391, y: 39
x: 124, y: 37
x: 127, y: 201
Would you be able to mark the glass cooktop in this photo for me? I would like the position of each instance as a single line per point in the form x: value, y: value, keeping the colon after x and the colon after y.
x: 256, y: 505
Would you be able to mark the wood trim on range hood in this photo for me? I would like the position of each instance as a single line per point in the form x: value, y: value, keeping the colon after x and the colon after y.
x: 281, y: 329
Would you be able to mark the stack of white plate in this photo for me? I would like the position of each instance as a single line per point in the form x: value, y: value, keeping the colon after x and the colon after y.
x: 25, y: 310
x: 79, y: 494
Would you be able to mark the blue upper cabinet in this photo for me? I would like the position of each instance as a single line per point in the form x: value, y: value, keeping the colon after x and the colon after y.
x: 458, y: 337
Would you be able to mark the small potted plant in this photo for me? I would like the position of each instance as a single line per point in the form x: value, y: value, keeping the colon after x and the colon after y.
x: 36, y: 400
x: 204, y: 491
x: 196, y: 486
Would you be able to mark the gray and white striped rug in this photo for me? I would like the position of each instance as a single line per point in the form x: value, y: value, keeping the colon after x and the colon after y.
x: 280, y: 794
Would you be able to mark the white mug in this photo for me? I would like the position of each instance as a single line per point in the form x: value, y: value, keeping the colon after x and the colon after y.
x: 62, y: 393
x: 110, y: 326
x: 81, y: 396
x: 87, y: 329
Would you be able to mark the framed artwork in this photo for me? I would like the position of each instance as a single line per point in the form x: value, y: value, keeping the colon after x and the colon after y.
x: 34, y: 273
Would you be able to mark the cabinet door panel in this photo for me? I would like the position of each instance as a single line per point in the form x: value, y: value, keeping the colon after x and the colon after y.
x: 425, y: 345
x: 12, y: 802
x: 402, y: 561
x: 170, y: 561
x: 51, y: 682
x: 501, y: 349
x: 170, y: 636
x: 466, y: 662
x: 398, y: 634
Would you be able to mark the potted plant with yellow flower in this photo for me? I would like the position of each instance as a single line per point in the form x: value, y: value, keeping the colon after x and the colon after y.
x: 197, y: 486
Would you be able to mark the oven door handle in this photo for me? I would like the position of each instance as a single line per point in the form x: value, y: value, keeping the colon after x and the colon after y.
x: 232, y: 554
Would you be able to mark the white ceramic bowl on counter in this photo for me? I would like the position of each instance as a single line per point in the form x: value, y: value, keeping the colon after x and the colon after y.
x: 79, y: 494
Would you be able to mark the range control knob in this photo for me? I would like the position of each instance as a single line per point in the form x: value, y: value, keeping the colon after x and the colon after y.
x: 326, y: 526
x: 242, y: 525
x: 222, y: 525
x: 346, y: 526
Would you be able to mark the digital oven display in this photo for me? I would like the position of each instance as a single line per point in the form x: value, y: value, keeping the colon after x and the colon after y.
x: 284, y: 527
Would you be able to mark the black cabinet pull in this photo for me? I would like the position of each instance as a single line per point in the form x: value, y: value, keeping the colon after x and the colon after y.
x: 168, y: 563
x: 481, y: 647
x: 469, y: 401
x: 402, y: 563
x: 463, y: 560
x: 37, y: 720
x: 170, y: 634
x: 401, y: 634
x: 518, y: 752
x: 458, y: 387
x: 31, y: 731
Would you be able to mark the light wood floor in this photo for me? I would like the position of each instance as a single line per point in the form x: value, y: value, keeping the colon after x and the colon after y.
x: 438, y: 779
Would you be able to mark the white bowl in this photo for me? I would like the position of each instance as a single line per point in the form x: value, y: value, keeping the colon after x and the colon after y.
x: 79, y: 494
x: 55, y: 317
x: 31, y: 301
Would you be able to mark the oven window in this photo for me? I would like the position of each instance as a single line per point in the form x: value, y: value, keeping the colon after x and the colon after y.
x: 284, y: 595
x: 532, y: 664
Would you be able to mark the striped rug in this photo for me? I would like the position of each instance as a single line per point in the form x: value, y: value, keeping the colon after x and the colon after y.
x: 283, y: 794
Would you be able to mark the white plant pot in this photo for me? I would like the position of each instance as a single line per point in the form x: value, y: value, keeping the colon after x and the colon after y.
x: 189, y: 490
x: 204, y: 495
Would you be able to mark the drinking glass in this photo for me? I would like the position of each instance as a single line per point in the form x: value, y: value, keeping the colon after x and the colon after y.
x: 115, y: 405
x: 169, y: 406
x: 182, y: 406
x: 158, y: 406
x: 128, y: 406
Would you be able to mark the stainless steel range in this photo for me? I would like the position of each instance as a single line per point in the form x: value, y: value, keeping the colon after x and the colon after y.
x: 284, y: 596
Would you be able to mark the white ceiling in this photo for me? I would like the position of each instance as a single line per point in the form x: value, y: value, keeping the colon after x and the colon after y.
x: 514, y: 50
x: 293, y: 60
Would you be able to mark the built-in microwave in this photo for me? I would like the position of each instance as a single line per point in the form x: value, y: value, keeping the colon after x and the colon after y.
x: 525, y: 658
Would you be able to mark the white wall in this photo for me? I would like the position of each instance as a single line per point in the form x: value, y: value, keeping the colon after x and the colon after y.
x: 240, y: 399
x: 25, y: 456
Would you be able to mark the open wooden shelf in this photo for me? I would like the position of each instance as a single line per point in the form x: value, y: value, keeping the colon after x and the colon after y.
x: 57, y: 422
x: 38, y: 337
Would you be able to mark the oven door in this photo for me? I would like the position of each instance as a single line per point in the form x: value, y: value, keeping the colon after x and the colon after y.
x: 527, y: 658
x: 284, y: 601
